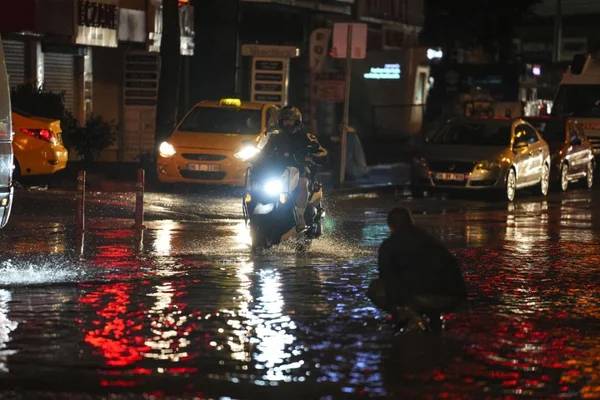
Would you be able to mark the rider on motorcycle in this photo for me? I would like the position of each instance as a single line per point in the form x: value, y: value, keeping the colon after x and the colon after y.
x: 301, y: 149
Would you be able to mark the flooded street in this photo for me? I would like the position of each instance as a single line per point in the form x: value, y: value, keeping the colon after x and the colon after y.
x: 185, y: 310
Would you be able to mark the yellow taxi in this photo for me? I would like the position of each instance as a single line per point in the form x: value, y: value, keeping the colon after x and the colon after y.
x: 214, y: 141
x: 37, y: 145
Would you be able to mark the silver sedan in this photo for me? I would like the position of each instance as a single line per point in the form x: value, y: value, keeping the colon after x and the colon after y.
x: 477, y: 154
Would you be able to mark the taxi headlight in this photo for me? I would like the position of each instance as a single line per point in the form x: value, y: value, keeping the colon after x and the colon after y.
x: 273, y: 187
x: 247, y: 152
x: 487, y: 165
x: 166, y: 150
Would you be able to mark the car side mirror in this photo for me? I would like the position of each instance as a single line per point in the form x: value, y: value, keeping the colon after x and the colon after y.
x: 519, y: 145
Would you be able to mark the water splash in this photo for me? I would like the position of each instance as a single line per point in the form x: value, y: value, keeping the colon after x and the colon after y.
x: 16, y: 272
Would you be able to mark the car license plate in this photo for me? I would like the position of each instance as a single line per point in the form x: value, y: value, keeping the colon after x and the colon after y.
x: 204, y: 167
x: 450, y: 176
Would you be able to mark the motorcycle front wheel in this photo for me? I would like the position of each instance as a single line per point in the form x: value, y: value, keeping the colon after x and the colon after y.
x: 259, y: 239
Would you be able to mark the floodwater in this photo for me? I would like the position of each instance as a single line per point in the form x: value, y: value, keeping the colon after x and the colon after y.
x: 186, y: 311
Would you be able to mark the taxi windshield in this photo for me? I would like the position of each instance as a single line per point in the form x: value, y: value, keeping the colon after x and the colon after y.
x: 222, y: 120
x: 468, y: 133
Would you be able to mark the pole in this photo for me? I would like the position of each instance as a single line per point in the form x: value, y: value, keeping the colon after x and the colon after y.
x: 81, y: 202
x: 557, y: 31
x: 81, y: 212
x: 139, y: 199
x: 344, y: 138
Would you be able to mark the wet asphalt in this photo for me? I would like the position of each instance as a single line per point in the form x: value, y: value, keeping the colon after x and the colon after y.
x: 185, y: 310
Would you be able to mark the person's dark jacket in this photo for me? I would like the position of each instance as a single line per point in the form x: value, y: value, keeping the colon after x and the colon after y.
x: 414, y: 263
x: 297, y: 146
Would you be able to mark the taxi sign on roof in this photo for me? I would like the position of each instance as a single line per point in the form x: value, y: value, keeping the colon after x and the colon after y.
x: 230, y: 102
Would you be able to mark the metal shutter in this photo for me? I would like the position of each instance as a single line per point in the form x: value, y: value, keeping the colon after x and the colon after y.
x: 14, y: 53
x: 140, y: 95
x: 59, y: 76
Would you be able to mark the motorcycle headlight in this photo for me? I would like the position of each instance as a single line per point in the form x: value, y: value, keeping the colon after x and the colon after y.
x: 247, y: 152
x: 487, y: 165
x: 273, y: 187
x: 166, y: 150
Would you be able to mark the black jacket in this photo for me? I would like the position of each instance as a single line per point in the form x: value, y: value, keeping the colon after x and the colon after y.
x: 297, y: 146
x: 412, y: 263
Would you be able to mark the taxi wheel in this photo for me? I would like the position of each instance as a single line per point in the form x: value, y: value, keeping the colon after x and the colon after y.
x: 589, y: 175
x: 564, y: 177
x: 545, y: 180
x: 511, y: 185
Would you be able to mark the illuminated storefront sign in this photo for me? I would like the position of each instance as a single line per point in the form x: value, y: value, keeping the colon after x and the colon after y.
x: 97, y: 23
x: 387, y: 72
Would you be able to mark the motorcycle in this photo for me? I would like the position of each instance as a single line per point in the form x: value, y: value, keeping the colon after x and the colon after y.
x: 268, y: 205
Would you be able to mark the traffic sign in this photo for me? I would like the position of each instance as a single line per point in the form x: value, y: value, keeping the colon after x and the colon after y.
x: 340, y: 40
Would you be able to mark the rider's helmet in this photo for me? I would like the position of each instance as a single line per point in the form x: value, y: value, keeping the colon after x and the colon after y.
x: 290, y: 118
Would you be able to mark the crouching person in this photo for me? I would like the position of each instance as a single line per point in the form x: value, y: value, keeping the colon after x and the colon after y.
x: 419, y: 279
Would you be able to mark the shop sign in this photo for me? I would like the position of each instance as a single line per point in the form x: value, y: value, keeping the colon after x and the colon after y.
x: 132, y: 25
x: 97, y: 23
x: 270, y: 80
x: 387, y: 72
x: 358, y: 47
x: 260, y: 50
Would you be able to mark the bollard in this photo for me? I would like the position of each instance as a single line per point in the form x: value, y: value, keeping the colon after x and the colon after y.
x: 81, y: 202
x: 139, y: 199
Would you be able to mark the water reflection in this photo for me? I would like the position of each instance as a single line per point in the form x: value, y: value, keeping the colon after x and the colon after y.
x: 169, y: 325
x: 526, y: 225
x: 242, y: 239
x: 272, y: 330
x: 238, y: 344
x: 6, y: 327
x: 576, y: 220
x: 263, y: 326
x: 163, y: 241
x: 52, y: 242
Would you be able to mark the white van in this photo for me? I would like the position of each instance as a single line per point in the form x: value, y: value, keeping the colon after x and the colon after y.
x: 578, y: 96
x: 6, y: 151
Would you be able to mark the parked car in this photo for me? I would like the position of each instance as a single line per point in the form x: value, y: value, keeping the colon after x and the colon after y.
x: 484, y: 154
x: 214, y: 141
x: 37, y: 145
x: 6, y: 152
x: 571, y: 151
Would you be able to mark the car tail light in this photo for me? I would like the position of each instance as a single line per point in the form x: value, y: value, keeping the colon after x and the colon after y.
x: 42, y: 134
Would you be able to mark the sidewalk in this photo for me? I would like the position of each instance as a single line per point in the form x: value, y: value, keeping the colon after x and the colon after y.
x: 379, y: 177
x: 122, y: 177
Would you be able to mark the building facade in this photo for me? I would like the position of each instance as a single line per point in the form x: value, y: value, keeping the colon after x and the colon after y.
x: 102, y: 55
